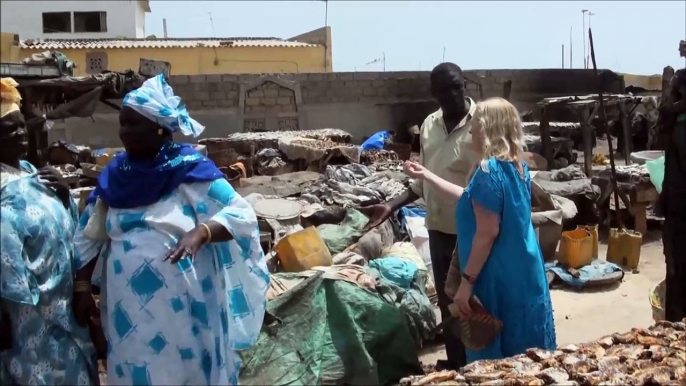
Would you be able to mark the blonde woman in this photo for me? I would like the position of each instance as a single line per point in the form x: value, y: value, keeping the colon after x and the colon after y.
x: 499, y: 255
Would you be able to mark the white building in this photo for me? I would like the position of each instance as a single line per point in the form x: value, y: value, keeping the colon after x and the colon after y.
x: 74, y: 19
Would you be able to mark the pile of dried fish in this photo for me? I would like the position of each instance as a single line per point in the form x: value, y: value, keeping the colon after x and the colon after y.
x: 632, y: 173
x: 353, y: 184
x: 653, y: 356
x: 322, y: 144
x: 369, y: 157
x: 555, y: 127
x: 268, y: 161
x: 333, y: 134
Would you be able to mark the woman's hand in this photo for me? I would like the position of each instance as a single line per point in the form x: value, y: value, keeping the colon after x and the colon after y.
x: 188, y: 245
x: 415, y: 170
x: 464, y: 293
x: 49, y: 178
x: 84, y: 307
x: 88, y: 315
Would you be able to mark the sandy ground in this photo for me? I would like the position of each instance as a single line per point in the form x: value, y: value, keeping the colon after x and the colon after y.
x: 585, y: 315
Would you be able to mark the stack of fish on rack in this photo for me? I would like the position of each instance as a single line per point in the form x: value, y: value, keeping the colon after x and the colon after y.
x: 652, y: 356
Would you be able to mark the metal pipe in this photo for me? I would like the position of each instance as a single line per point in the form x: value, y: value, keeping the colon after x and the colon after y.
x: 583, y: 33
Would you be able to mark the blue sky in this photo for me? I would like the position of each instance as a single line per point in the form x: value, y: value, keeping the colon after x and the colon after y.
x: 638, y: 37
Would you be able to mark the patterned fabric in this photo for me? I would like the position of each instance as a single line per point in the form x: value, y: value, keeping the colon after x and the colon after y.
x: 124, y: 184
x: 156, y: 101
x: 178, y: 324
x: 36, y: 271
x: 512, y: 284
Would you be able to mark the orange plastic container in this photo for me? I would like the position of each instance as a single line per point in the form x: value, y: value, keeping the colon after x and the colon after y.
x: 576, y: 248
x: 303, y: 250
x: 593, y: 230
x: 624, y: 248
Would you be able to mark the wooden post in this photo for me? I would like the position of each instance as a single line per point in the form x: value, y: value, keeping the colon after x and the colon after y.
x: 626, y: 131
x: 546, y: 142
x: 657, y: 134
x: 586, y: 132
x: 507, y: 87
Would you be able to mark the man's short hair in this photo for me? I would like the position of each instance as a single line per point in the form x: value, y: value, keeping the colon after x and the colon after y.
x: 445, y: 68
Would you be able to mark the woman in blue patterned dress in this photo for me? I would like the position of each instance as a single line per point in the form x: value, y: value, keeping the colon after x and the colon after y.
x: 42, y: 344
x: 184, y: 278
x: 499, y: 255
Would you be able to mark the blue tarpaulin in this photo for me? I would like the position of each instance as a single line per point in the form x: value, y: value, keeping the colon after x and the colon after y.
x: 376, y: 141
x: 597, y: 270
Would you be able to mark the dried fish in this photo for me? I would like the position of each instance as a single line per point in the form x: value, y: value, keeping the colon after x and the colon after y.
x: 652, y: 356
x: 592, y: 350
x: 538, y: 355
x: 658, y: 353
x: 648, y: 341
x: 627, y: 338
x: 431, y: 379
x: 480, y: 378
x: 605, y: 342
x: 554, y: 375
x: 626, y: 351
x: 590, y: 379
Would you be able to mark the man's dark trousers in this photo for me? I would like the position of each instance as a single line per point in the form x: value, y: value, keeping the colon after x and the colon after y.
x: 442, y: 246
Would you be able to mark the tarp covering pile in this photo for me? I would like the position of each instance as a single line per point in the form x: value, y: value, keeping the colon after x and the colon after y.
x: 331, y: 332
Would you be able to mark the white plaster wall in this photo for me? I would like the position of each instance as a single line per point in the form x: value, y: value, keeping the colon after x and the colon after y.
x: 140, y: 20
x: 26, y: 18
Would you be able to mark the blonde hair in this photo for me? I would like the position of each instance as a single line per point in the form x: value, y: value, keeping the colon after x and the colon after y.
x: 501, y: 129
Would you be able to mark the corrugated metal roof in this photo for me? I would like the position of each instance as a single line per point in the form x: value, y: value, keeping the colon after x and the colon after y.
x: 76, y: 44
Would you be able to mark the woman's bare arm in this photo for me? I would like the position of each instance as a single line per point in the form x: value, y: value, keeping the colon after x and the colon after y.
x: 449, y: 190
x: 487, y: 230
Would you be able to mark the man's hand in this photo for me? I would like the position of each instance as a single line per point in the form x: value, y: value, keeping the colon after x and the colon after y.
x: 377, y: 214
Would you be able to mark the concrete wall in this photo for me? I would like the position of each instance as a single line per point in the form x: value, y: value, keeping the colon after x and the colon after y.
x: 360, y: 103
x: 322, y: 37
x: 9, y: 50
x: 26, y: 18
x: 204, y: 60
x: 219, y: 60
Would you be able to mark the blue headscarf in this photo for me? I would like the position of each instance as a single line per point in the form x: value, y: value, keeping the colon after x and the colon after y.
x: 125, y: 183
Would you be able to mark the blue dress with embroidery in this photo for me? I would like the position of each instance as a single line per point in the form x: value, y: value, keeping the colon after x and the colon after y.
x: 174, y: 324
x: 512, y: 284
x: 36, y: 268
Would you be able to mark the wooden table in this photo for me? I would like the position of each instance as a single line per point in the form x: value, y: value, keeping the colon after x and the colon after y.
x: 640, y: 197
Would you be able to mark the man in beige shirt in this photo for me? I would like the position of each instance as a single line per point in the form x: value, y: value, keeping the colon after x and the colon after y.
x: 446, y: 151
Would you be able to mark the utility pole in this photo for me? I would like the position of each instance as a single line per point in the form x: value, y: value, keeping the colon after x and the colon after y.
x: 570, y: 48
x: 589, y: 42
x: 563, y: 56
x: 443, y: 61
x: 583, y: 33
x: 164, y: 27
x: 384, y: 61
x: 326, y: 13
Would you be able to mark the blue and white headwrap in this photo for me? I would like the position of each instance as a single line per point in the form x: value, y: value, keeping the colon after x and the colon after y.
x: 156, y: 101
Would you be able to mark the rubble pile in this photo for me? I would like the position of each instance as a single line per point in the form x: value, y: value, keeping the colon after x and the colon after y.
x: 652, y: 356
